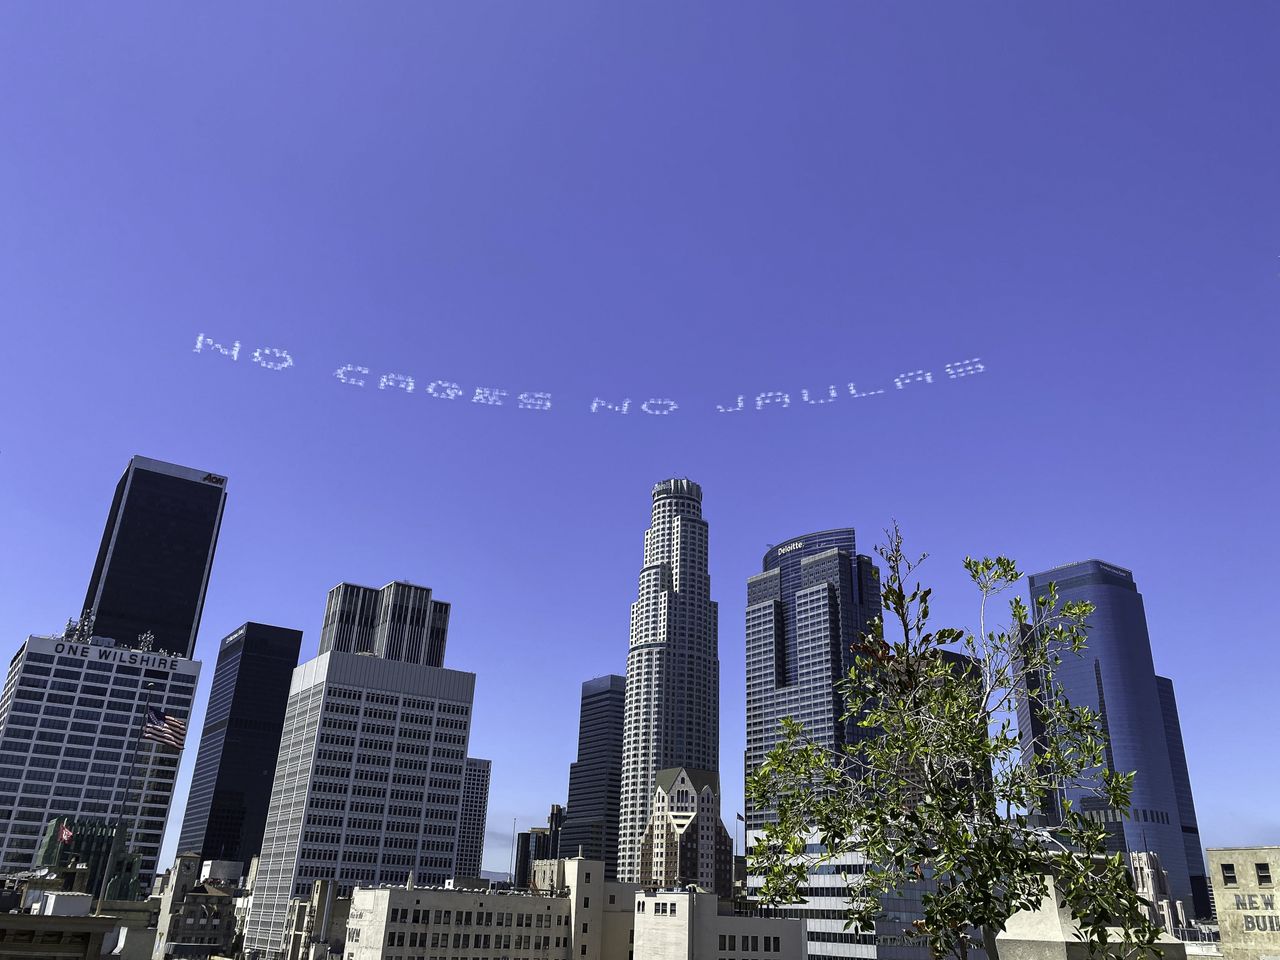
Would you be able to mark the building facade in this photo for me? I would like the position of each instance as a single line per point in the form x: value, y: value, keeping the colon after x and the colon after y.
x: 153, y: 564
x: 686, y: 842
x: 1116, y: 677
x: 573, y: 913
x: 595, y: 778
x: 475, y: 815
x: 672, y: 707
x: 813, y: 599
x: 231, y: 785
x: 368, y: 785
x: 1244, y: 889
x: 400, y: 621
x: 70, y: 718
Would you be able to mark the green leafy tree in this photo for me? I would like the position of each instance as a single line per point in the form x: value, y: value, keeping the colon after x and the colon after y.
x: 941, y: 784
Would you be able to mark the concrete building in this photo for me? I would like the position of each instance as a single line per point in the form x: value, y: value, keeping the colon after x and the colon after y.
x: 1151, y: 881
x: 1244, y: 889
x: 368, y: 784
x: 475, y: 815
x: 70, y: 718
x: 197, y: 909
x: 672, y: 709
x: 156, y: 554
x: 595, y: 778
x: 572, y: 913
x: 1116, y: 677
x: 686, y: 842
x: 231, y: 784
x: 58, y: 926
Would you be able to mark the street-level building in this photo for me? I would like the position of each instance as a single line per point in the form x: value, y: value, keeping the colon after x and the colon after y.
x: 70, y: 718
x: 1244, y: 891
x: 573, y: 913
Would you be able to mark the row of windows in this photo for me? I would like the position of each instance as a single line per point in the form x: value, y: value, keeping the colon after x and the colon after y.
x: 1261, y: 870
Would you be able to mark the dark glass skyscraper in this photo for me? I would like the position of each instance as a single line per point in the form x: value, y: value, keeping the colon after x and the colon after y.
x: 235, y: 767
x: 398, y: 622
x: 156, y: 553
x: 814, y: 597
x: 1116, y: 677
x: 595, y: 780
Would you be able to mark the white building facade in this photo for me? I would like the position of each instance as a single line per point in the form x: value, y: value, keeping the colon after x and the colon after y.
x: 70, y: 718
x: 672, y: 712
x: 368, y: 787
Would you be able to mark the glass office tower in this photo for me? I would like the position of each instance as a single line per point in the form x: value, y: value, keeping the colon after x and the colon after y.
x: 595, y: 779
x: 156, y: 553
x: 1116, y: 677
x: 231, y: 785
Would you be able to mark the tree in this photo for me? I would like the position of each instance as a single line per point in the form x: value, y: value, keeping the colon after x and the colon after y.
x: 940, y: 783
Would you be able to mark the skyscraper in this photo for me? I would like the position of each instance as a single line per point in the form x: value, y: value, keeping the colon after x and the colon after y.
x: 1200, y: 905
x: 814, y: 598
x: 475, y: 814
x: 595, y: 779
x: 231, y: 785
x: 398, y: 622
x: 1116, y: 677
x: 71, y: 716
x: 370, y: 775
x: 672, y: 708
x: 156, y: 553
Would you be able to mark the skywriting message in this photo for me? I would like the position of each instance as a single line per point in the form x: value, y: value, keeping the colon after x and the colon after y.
x: 355, y: 376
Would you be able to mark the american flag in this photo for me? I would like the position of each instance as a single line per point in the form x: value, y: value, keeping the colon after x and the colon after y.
x: 164, y: 729
x: 65, y: 834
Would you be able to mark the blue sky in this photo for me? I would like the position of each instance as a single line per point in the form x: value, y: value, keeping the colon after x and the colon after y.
x: 654, y: 201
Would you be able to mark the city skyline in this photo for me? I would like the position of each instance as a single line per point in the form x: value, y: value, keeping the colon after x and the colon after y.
x: 663, y: 204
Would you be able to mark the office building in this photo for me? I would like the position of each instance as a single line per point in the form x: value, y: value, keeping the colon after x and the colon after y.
x: 236, y: 762
x: 595, y: 779
x: 70, y: 718
x: 1200, y: 905
x: 400, y: 621
x: 368, y: 785
x: 1244, y: 889
x: 672, y: 707
x: 1116, y: 677
x: 573, y: 913
x: 686, y: 842
x: 156, y: 553
x: 475, y: 815
x: 814, y: 598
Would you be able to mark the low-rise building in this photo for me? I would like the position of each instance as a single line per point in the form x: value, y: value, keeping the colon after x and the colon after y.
x: 571, y: 912
x: 1244, y: 892
x: 197, y: 908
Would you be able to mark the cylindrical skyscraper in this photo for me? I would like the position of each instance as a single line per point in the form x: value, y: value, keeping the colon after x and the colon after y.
x: 673, y: 674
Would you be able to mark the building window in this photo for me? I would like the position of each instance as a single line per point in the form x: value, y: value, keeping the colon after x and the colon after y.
x: 1264, y: 873
x: 1229, y: 874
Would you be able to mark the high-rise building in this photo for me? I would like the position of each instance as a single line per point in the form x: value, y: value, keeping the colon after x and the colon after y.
x: 156, y: 553
x: 236, y: 763
x: 1116, y: 677
x: 1200, y: 905
x: 595, y: 779
x: 400, y: 621
x: 815, y: 597
x: 672, y: 711
x: 686, y: 841
x: 71, y: 717
x: 369, y: 780
x: 475, y: 814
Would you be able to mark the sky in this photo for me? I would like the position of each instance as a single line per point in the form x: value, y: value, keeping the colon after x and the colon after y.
x: 671, y: 204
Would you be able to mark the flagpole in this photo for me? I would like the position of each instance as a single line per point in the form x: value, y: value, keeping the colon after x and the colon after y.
x: 124, y: 800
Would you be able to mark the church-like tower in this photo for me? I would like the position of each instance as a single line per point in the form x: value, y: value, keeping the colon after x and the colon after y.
x: 672, y: 709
